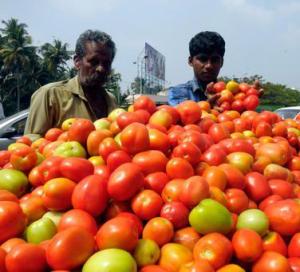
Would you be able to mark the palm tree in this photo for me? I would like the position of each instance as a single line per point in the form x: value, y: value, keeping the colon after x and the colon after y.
x: 55, y: 58
x: 16, y: 53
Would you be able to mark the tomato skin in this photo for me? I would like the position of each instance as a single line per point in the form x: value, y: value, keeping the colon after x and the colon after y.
x: 135, y: 138
x: 284, y: 216
x: 269, y: 200
x: 119, y: 232
x: 12, y: 220
x: 282, y: 188
x: 116, y: 158
x: 108, y: 146
x: 152, y: 268
x: 126, y: 118
x: 23, y: 158
x: 273, y: 241
x: 172, y: 190
x: 188, y: 151
x: 176, y: 213
x: 147, y: 204
x: 179, y: 168
x: 294, y: 263
x: 247, y: 245
x: 144, y: 103
x: 237, y: 200
x: 235, y: 178
x: 189, y: 111
x: 58, y: 194
x: 63, y: 251
x: 214, y: 155
x: 251, y: 102
x: 159, y: 140
x: 294, y: 246
x: 186, y: 236
x: 156, y: 181
x: 158, y: 229
x: 257, y: 186
x: 218, y: 132
x: 125, y: 181
x: 90, y: 195
x: 26, y: 257
x: 271, y: 261
x: 136, y: 220
x: 151, y: 161
x: 76, y: 169
x: 4, y: 157
x: 78, y: 218
x: 193, y: 190
x: 80, y: 130
x: 214, y: 248
x: 8, y: 196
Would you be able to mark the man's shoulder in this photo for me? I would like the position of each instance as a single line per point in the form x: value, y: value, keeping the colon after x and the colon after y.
x: 53, y: 86
x: 186, y: 85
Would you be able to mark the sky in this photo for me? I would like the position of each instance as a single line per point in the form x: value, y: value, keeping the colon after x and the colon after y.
x: 262, y: 36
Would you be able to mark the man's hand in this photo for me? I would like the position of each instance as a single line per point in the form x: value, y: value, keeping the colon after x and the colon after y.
x: 257, y: 86
x: 212, y: 97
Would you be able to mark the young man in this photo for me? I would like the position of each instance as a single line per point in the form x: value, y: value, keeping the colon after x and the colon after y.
x: 82, y: 96
x: 207, y: 51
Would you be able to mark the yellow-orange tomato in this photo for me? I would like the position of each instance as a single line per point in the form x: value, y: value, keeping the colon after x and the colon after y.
x: 274, y: 151
x: 162, y: 118
x: 159, y: 229
x: 241, y: 160
x: 216, y: 177
x: 173, y: 256
x: 33, y: 207
x: 187, y: 237
x: 189, y: 112
x: 159, y: 140
x: 94, y: 139
x: 231, y: 268
x: 58, y: 193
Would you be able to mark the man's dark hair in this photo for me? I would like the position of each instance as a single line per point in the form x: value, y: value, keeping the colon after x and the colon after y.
x: 93, y: 36
x: 207, y: 42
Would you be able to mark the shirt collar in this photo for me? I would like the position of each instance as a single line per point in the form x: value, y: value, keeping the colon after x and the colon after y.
x: 74, y: 86
x: 195, y: 85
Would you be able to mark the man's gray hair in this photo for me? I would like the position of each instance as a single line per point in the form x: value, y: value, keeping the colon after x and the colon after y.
x: 93, y: 36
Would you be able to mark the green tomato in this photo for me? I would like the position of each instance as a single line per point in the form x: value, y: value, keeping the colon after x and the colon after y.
x: 210, y: 216
x: 253, y: 219
x: 70, y: 149
x: 146, y: 252
x: 109, y: 260
x: 14, y: 181
x: 40, y: 230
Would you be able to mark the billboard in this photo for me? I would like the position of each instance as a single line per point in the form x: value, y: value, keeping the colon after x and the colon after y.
x: 154, y: 62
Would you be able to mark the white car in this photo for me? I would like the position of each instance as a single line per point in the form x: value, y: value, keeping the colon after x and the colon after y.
x: 288, y: 112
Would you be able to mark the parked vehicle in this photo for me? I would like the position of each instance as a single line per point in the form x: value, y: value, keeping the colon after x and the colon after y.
x: 288, y: 112
x: 12, y: 128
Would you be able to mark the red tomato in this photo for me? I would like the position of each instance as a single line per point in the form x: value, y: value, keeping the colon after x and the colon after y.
x: 294, y: 246
x: 26, y: 257
x: 251, y: 102
x: 284, y: 216
x: 219, y: 86
x: 76, y: 169
x: 53, y: 133
x: 23, y: 158
x: 269, y: 200
x: 2, y: 260
x: 9, y: 244
x: 151, y: 161
x: 214, y: 248
x: 135, y: 138
x: 49, y: 168
x: 205, y: 123
x: 80, y: 130
x: 294, y: 263
x: 216, y: 177
x: 144, y: 103
x: 193, y: 190
x: 189, y: 111
x: 116, y: 158
x: 247, y: 245
x: 70, y: 248
x: 237, y: 200
x: 102, y: 171
x: 90, y: 195
x: 94, y: 139
x: 118, y: 232
x: 137, y: 221
x: 8, y: 196
x: 214, y: 156
x: 152, y: 268
x: 218, y: 132
x: 33, y: 207
x: 172, y: 190
x: 12, y: 220
x: 78, y: 218
x: 237, y: 145
x: 156, y: 181
x: 174, y: 113
x: 188, y: 151
x: 235, y: 177
x: 116, y: 207
x: 4, y: 157
x: 179, y: 168
x: 58, y: 193
x: 159, y: 140
x: 125, y: 181
x: 176, y: 213
x: 158, y: 229
x: 271, y: 261
x: 147, y: 204
x: 127, y: 118
x: 273, y: 241
x: 108, y: 146
x: 282, y: 188
x: 257, y: 186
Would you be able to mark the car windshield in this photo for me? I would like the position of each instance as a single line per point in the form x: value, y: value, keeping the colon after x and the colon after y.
x: 287, y: 113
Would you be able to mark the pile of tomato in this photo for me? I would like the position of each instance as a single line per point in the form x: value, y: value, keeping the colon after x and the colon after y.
x: 156, y: 189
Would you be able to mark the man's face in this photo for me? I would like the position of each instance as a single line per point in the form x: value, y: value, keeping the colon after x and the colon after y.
x: 95, y: 66
x: 206, y: 67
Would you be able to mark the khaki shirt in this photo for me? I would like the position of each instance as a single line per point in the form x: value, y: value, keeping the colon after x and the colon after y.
x: 55, y: 102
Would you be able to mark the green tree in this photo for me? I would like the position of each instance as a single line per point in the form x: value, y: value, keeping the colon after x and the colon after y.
x: 113, y: 86
x: 16, y: 53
